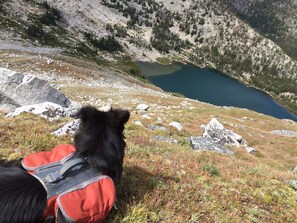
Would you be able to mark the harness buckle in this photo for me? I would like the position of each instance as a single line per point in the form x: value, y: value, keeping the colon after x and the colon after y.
x: 53, y: 177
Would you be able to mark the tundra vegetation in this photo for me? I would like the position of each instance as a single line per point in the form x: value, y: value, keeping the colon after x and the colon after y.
x: 165, y: 182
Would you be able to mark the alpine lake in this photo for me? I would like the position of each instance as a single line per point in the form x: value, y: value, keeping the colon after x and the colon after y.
x: 211, y: 86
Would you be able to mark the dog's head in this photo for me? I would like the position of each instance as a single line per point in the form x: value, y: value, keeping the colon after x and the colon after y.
x: 100, y: 139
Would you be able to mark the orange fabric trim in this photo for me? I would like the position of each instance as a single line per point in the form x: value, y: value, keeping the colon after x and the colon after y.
x: 90, y: 204
x: 50, y: 209
x: 46, y: 157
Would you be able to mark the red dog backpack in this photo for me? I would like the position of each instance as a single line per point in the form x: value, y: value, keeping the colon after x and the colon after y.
x: 75, y: 192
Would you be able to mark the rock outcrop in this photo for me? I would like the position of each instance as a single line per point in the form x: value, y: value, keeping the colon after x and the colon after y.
x: 216, y: 131
x: 214, y: 138
x: 69, y: 128
x: 206, y: 144
x: 17, y: 89
x: 46, y: 110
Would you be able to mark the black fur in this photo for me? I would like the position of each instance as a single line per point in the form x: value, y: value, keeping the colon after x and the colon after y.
x: 99, y: 138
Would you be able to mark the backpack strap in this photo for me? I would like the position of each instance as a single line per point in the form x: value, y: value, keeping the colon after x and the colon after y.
x: 69, y: 165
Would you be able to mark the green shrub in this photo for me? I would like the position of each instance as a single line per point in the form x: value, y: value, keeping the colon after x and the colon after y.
x: 51, y: 17
x: 35, y: 31
x: 109, y: 43
x: 211, y: 169
x: 48, y: 19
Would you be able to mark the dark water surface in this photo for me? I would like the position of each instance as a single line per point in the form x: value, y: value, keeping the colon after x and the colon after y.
x: 211, y: 86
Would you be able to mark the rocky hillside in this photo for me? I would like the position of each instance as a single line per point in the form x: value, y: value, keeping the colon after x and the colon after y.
x: 202, y: 32
x: 275, y: 19
x: 164, y: 179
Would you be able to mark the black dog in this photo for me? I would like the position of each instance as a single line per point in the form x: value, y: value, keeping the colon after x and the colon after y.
x: 99, y: 139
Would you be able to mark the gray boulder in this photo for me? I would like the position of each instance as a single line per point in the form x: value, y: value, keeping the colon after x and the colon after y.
x: 165, y: 139
x: 207, y: 144
x: 216, y: 131
x: 6, y: 103
x: 46, y: 110
x: 17, y: 89
x: 293, y: 184
x: 158, y: 128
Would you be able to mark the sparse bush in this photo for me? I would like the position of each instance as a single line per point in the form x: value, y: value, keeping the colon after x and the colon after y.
x: 35, y: 31
x: 106, y: 44
x: 201, y: 21
x: 211, y: 169
x: 1, y: 5
x: 50, y: 17
x: 84, y: 49
x: 45, y: 5
x: 117, y: 30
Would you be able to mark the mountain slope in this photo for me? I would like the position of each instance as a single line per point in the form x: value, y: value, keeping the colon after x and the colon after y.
x: 166, y: 182
x: 275, y: 19
x: 202, y: 32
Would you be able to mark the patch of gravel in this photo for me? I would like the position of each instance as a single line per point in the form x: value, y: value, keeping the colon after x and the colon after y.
x: 288, y: 133
x: 28, y: 48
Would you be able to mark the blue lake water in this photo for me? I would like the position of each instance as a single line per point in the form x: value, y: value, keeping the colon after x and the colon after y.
x: 211, y: 86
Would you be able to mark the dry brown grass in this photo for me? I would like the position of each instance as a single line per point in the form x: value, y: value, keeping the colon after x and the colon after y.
x: 164, y: 182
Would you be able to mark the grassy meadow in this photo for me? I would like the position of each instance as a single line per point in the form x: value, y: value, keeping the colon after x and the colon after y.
x: 165, y: 182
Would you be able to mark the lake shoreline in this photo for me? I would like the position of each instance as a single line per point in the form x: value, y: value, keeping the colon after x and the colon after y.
x: 210, y: 69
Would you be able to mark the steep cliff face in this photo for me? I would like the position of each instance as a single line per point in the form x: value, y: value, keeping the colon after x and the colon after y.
x: 203, y: 32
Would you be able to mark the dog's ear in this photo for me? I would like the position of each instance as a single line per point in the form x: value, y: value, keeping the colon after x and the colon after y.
x: 123, y: 115
x: 87, y: 114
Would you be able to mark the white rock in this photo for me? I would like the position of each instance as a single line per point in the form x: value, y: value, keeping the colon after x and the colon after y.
x: 46, y: 110
x: 177, y: 125
x: 105, y: 108
x: 146, y: 116
x: 49, y: 61
x: 69, y: 128
x: 75, y: 105
x: 142, y: 107
x: 250, y: 149
x: 287, y: 133
x: 138, y: 123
